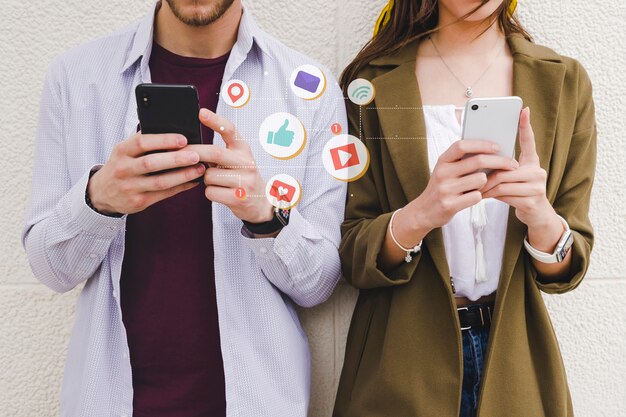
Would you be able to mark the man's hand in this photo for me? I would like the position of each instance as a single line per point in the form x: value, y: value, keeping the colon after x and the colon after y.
x: 121, y: 186
x: 234, y: 167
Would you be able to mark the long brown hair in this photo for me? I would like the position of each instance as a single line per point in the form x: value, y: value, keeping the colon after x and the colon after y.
x: 413, y: 19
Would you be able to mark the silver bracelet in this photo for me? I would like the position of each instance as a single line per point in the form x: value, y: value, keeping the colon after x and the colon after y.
x: 409, y: 252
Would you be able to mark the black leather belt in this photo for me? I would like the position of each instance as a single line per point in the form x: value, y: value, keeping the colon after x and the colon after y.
x: 475, y: 316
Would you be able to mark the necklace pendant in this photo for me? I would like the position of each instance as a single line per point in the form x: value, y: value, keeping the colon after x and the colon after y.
x: 469, y: 92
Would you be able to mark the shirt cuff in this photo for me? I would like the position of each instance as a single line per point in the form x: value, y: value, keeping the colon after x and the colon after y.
x: 89, y: 220
x: 285, y: 244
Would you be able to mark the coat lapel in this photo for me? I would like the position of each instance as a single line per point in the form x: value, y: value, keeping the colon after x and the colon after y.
x: 399, y: 107
x: 538, y: 76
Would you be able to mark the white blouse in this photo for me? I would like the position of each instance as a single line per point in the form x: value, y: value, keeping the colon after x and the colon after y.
x: 474, y: 237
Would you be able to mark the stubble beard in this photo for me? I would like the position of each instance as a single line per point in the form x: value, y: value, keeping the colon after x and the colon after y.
x: 200, y: 19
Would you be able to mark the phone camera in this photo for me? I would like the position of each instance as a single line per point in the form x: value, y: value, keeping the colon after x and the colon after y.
x: 475, y: 107
x: 145, y: 100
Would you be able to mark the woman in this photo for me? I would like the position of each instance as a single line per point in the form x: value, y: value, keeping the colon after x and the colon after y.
x: 450, y: 261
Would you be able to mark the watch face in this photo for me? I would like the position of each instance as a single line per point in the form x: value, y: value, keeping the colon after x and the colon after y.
x: 283, y: 216
x: 564, y: 246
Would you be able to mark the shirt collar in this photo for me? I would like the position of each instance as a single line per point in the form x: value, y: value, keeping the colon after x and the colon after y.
x: 248, y: 35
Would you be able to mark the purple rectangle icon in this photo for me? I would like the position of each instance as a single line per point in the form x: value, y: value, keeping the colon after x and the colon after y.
x: 306, y: 81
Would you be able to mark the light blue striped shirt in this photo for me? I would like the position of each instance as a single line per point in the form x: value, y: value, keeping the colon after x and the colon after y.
x: 88, y: 106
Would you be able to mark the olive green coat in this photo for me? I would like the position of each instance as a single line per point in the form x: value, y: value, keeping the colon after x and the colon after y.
x: 404, y: 349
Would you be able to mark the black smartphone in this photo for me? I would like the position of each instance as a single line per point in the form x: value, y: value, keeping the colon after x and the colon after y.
x: 169, y: 108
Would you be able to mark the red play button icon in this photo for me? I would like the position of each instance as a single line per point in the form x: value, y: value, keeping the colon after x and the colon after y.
x: 344, y: 156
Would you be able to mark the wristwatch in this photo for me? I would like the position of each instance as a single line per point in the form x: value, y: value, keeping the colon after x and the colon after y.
x: 280, y: 220
x: 90, y: 203
x: 562, y: 248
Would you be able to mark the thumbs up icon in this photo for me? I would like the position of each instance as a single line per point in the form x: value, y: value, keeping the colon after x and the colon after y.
x: 282, y: 137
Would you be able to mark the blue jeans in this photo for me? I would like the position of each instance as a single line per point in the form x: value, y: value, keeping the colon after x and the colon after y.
x: 474, y: 351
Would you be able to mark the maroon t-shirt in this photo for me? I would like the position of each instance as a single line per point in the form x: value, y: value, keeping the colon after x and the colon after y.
x: 168, y: 280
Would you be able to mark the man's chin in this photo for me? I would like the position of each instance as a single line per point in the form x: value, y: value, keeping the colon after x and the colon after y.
x: 194, y: 13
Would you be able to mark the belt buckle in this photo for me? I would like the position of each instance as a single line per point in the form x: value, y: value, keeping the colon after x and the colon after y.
x: 466, y: 309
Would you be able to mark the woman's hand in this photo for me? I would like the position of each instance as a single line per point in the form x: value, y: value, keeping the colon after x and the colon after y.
x: 454, y: 185
x: 455, y: 182
x: 525, y: 187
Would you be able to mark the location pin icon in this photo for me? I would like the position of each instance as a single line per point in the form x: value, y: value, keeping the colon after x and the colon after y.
x: 235, y: 92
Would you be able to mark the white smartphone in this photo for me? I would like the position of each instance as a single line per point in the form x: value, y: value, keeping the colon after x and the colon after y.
x: 493, y: 119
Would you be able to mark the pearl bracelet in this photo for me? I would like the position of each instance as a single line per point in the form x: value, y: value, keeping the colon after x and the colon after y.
x: 409, y: 251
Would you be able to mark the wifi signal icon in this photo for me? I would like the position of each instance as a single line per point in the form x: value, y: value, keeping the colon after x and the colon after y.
x: 361, y: 92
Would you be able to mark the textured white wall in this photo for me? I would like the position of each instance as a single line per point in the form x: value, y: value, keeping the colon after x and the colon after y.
x: 35, y: 323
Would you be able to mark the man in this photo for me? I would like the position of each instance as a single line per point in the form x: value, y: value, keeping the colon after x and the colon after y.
x: 185, y: 311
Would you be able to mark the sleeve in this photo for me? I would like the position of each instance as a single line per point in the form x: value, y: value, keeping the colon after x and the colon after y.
x: 367, y: 219
x: 303, y: 260
x: 65, y: 240
x: 574, y: 192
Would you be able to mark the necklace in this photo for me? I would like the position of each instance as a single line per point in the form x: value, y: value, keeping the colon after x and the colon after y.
x: 469, y: 92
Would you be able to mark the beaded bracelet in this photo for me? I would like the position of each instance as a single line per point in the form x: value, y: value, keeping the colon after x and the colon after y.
x: 409, y: 252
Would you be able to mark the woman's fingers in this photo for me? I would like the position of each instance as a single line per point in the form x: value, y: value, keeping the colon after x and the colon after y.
x: 519, y: 175
x: 460, y: 148
x: 482, y: 161
x: 469, y: 182
x: 467, y: 200
x: 513, y: 189
x: 528, y: 151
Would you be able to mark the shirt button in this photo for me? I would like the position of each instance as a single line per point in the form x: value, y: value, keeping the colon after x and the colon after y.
x: 125, y: 355
x: 92, y: 256
x: 263, y: 250
x: 114, y: 293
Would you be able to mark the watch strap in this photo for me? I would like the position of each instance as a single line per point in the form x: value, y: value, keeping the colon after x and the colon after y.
x: 280, y: 220
x: 90, y: 203
x: 562, y: 247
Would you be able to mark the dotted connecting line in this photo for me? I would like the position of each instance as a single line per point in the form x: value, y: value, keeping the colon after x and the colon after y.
x: 300, y: 108
x: 286, y: 97
x: 231, y: 175
x: 360, y: 122
x: 308, y: 108
x: 337, y: 108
